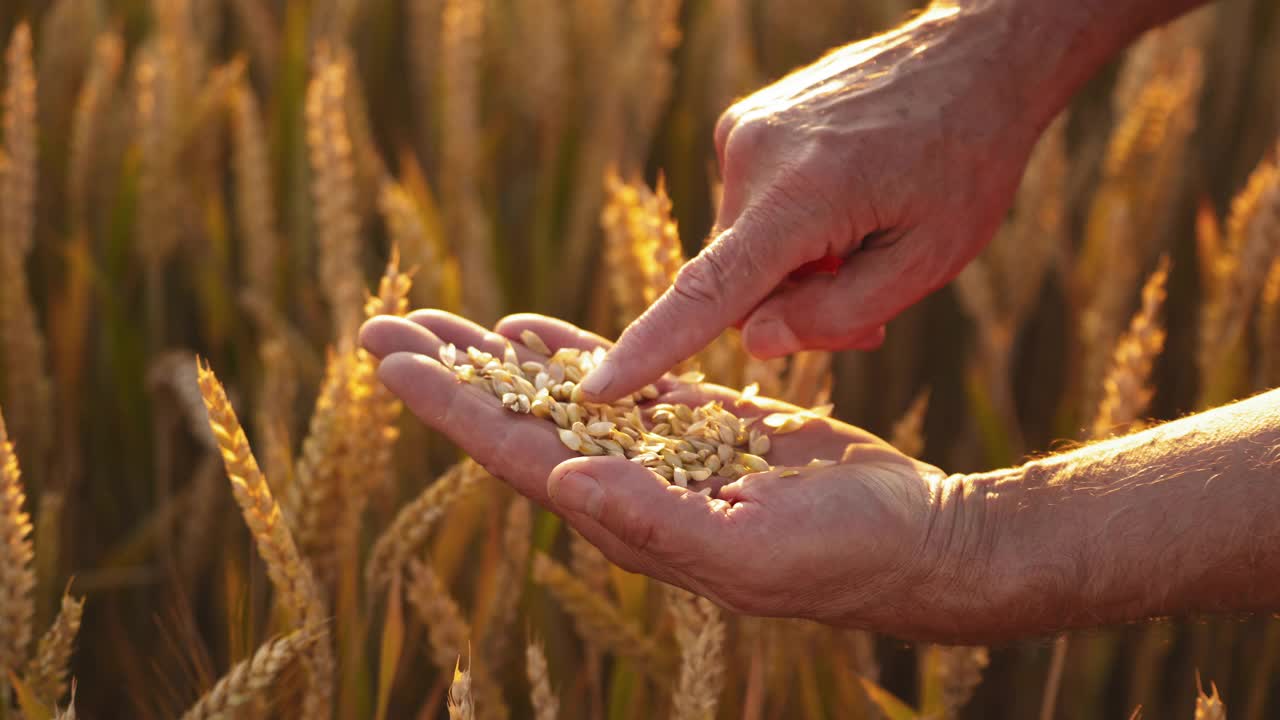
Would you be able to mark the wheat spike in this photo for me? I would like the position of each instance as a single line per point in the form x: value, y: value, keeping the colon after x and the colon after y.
x: 908, y: 432
x: 1126, y: 391
x: 94, y: 98
x: 248, y: 681
x: 47, y: 671
x: 409, y: 233
x: 510, y: 580
x: 27, y: 389
x: 1209, y: 707
x: 414, y: 522
x: 540, y: 65
x: 289, y: 572
x: 316, y: 499
x: 276, y: 398
x: 700, y: 633
x: 597, y: 619
x: 449, y: 633
x: 333, y: 194
x: 19, y: 183
x: 960, y: 671
x: 17, y: 578
x: 461, y: 704
x: 156, y: 97
x: 468, y: 223
x: 1252, y: 240
x: 546, y: 706
x: 589, y: 563
x: 261, y: 246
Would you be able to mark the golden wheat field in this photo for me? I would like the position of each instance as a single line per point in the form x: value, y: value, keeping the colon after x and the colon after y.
x: 210, y: 507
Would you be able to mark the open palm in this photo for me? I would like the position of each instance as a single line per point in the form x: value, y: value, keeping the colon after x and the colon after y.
x: 829, y: 542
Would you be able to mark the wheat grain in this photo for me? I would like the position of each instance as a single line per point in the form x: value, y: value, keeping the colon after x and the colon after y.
x: 680, y: 443
x: 17, y: 579
x: 248, y: 681
x: 47, y: 671
x: 596, y: 618
x: 700, y: 633
x: 545, y: 704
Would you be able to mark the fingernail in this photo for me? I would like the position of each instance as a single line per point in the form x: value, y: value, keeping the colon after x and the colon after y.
x: 769, y: 337
x: 576, y: 492
x: 598, y: 380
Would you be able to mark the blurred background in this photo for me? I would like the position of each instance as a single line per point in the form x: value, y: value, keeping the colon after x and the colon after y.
x: 224, y: 177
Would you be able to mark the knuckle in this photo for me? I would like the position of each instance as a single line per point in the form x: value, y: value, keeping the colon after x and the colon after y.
x: 749, y: 138
x: 704, y: 281
x: 724, y: 126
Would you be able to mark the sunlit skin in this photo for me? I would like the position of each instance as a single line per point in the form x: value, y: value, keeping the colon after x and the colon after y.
x: 1180, y: 518
x: 898, y: 155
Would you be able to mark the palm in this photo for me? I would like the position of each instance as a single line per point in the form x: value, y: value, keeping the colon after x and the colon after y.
x: 867, y: 507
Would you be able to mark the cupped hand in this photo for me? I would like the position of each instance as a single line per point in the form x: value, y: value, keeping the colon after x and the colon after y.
x: 852, y: 543
x: 890, y: 162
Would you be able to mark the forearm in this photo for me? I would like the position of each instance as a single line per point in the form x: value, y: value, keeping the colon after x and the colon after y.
x: 1181, y: 518
x: 1047, y: 49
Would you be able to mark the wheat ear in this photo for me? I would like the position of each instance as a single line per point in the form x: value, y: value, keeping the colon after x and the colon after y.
x: 289, y: 572
x: 47, y: 671
x: 597, y: 619
x: 255, y: 204
x: 461, y: 704
x: 700, y: 632
x: 17, y: 578
x: 509, y: 583
x: 414, y: 522
x: 908, y: 432
x: 546, y: 706
x: 248, y: 680
x: 449, y: 634
x: 1126, y: 390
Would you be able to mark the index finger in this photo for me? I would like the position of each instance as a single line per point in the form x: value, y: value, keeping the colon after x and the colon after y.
x: 711, y: 292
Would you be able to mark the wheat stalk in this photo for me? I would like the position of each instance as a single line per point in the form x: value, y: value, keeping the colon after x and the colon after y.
x: 292, y: 577
x: 409, y: 530
x: 248, y: 680
x: 17, y: 578
x: 545, y: 704
x: 700, y: 633
x: 598, y: 619
x: 47, y: 671
x: 333, y: 195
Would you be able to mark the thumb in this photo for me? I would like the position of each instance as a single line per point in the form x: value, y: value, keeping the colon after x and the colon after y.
x: 635, y: 517
x: 847, y: 310
x: 712, y: 291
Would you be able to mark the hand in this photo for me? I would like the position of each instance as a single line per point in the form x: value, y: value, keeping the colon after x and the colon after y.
x: 898, y: 155
x: 859, y: 543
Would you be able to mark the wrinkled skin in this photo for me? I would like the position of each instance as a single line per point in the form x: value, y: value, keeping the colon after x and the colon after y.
x: 898, y: 155
x: 844, y: 544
